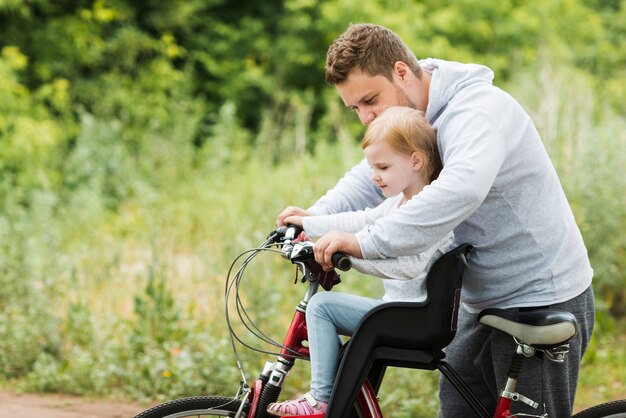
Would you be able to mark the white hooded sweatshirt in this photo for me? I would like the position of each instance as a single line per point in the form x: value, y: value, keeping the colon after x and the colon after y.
x: 498, y: 191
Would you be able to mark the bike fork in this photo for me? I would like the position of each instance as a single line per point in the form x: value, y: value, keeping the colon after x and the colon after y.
x: 271, y: 383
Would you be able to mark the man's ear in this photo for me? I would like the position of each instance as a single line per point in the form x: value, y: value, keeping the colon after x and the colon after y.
x: 401, y: 70
x: 417, y: 161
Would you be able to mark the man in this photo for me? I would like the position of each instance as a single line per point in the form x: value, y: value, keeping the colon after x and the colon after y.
x: 498, y: 191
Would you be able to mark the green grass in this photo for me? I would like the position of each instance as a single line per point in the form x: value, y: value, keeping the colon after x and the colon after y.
x: 603, y: 371
x: 119, y: 290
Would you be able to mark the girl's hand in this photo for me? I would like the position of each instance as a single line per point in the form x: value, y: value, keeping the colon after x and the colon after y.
x: 335, y: 241
x: 291, y: 211
x: 294, y: 220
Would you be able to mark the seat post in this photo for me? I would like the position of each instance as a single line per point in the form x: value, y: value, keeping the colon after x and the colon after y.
x: 509, y: 394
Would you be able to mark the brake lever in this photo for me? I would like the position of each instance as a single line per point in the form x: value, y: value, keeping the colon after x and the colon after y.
x: 307, y: 274
x: 299, y: 253
x: 302, y: 251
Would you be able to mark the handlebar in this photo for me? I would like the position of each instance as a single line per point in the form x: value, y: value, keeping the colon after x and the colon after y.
x: 289, y: 233
x: 342, y: 262
x: 284, y: 233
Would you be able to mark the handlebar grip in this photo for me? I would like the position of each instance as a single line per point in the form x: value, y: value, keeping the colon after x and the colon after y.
x: 292, y: 231
x: 342, y: 262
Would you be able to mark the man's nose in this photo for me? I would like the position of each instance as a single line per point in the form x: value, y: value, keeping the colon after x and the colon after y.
x: 366, y: 117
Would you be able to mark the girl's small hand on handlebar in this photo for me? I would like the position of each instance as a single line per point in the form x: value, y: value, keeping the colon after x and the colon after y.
x: 333, y: 242
x: 294, y: 220
x: 291, y: 211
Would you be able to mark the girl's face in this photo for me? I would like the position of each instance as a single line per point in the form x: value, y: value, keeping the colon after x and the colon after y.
x: 394, y: 172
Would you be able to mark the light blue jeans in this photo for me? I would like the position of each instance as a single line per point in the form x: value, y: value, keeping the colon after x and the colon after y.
x: 328, y: 315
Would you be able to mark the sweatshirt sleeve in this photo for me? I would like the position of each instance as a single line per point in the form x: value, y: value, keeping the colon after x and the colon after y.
x: 353, y: 192
x: 405, y: 267
x: 472, y: 150
x: 316, y: 226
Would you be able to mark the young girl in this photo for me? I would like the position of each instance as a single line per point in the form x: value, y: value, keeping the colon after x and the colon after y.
x: 401, y: 148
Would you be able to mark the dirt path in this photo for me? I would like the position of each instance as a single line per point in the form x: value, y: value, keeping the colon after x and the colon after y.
x: 28, y: 405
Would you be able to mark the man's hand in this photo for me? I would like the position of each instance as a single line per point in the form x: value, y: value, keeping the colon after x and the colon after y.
x: 333, y: 242
x: 291, y: 211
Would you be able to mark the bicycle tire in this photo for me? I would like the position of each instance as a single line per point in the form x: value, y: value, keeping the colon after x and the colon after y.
x: 196, y: 406
x: 615, y: 409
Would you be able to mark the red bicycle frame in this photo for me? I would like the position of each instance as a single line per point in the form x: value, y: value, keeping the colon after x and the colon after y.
x: 294, y: 343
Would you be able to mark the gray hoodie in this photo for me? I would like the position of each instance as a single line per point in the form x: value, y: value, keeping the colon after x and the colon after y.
x: 498, y: 191
x: 404, y: 278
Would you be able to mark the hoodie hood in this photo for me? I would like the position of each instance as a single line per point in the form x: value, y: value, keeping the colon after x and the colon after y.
x: 448, y: 78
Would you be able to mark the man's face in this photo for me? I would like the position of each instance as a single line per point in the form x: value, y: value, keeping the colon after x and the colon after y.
x: 370, y: 95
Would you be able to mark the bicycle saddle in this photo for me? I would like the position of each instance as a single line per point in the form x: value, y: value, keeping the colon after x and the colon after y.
x: 540, y: 328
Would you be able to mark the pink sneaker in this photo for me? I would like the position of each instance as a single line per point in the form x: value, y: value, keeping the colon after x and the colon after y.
x: 305, y: 405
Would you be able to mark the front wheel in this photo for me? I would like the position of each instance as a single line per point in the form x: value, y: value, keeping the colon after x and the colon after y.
x: 615, y: 409
x: 197, y: 406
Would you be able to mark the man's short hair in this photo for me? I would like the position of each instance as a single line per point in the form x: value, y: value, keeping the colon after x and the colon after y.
x: 371, y: 48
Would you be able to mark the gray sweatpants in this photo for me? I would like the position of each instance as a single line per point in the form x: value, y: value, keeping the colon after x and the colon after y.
x: 481, y: 355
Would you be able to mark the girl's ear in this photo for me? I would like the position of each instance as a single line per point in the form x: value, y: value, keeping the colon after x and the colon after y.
x: 417, y: 161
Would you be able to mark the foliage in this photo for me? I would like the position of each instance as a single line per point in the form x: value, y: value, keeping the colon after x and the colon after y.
x: 144, y: 144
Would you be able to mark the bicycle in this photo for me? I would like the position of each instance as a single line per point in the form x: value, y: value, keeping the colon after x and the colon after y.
x: 376, y: 344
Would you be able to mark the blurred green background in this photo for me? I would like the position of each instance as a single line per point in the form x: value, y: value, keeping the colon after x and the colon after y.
x: 145, y: 144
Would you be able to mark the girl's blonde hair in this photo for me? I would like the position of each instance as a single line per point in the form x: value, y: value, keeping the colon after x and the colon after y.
x: 406, y: 130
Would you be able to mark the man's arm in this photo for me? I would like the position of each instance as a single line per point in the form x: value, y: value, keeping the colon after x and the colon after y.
x: 317, y: 226
x: 473, y: 152
x: 354, y: 191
